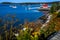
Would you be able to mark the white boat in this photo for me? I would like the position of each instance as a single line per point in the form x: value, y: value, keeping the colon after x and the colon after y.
x: 13, y: 6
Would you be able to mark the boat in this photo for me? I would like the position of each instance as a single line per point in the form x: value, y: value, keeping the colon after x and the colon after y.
x: 13, y: 6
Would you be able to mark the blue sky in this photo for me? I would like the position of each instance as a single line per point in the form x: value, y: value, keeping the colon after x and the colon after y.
x: 28, y: 0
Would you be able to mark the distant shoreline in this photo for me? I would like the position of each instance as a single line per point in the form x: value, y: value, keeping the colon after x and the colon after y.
x: 30, y: 2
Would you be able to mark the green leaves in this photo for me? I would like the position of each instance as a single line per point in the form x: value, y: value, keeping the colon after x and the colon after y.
x: 58, y: 15
x: 24, y: 35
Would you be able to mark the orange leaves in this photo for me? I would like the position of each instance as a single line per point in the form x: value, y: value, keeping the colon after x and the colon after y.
x: 57, y: 25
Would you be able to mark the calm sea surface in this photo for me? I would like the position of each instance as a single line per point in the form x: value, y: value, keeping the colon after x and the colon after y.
x: 21, y: 11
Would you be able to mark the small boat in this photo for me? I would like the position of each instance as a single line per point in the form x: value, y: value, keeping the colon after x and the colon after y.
x: 13, y: 6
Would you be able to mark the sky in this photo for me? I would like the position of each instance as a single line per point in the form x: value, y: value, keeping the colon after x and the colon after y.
x: 28, y: 0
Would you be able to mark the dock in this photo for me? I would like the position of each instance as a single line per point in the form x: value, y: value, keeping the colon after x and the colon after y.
x: 44, y: 9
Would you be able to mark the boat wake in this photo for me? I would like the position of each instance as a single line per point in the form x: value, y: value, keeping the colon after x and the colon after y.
x: 34, y: 8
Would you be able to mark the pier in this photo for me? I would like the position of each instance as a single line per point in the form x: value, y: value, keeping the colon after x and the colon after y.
x: 43, y: 7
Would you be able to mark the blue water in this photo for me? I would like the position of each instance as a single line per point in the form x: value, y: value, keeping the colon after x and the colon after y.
x: 22, y: 12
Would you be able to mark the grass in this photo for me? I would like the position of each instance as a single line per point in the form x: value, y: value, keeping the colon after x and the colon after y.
x: 32, y: 32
